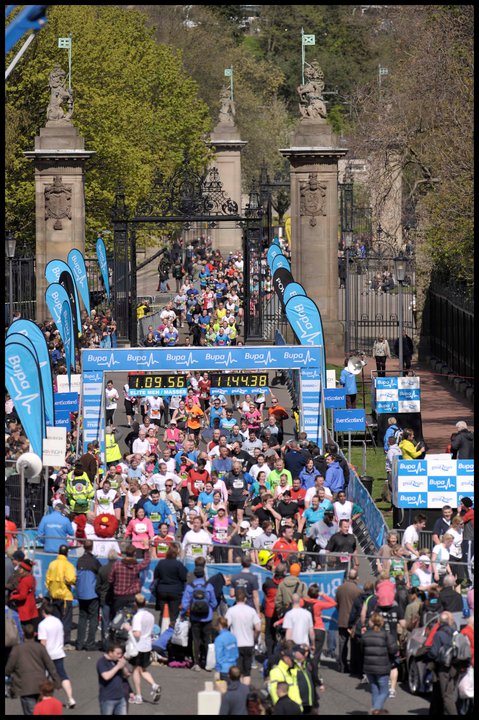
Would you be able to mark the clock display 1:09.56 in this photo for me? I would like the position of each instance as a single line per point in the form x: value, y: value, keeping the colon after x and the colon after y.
x: 248, y: 380
x: 157, y: 380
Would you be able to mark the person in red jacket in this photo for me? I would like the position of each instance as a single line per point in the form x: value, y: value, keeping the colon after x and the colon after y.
x: 197, y: 477
x: 468, y: 631
x: 24, y: 595
x: 270, y: 588
x: 317, y: 601
x: 286, y: 542
x: 48, y: 705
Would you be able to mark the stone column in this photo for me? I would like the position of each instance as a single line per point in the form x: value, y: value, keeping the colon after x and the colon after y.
x: 59, y: 159
x: 313, y: 156
x: 226, y: 142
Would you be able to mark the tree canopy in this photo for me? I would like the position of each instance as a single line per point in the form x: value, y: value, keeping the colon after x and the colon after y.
x: 134, y: 103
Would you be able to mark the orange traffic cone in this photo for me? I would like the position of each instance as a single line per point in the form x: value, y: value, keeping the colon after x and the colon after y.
x: 165, y: 619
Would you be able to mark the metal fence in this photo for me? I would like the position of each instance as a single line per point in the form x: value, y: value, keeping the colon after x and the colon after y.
x: 23, y: 287
x: 274, y: 318
x: 451, y: 330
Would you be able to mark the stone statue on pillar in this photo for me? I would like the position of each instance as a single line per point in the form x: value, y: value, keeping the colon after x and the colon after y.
x: 58, y: 95
x: 311, y: 105
x: 227, y: 107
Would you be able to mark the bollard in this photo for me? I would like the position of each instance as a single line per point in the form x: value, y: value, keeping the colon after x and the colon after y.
x: 209, y: 700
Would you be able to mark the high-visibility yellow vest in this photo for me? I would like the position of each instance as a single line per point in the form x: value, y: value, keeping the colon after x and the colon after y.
x: 78, y: 487
x: 112, y: 449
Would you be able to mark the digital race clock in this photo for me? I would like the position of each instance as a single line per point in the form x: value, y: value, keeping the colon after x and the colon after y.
x: 238, y: 380
x: 157, y: 381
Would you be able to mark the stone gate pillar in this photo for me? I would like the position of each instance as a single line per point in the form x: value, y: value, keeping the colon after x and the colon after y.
x: 313, y: 158
x: 59, y: 159
x: 226, y: 142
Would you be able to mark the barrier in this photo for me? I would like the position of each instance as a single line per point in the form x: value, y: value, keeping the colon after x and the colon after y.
x: 372, y: 516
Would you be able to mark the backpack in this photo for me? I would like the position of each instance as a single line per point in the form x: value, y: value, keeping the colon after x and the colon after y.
x: 12, y: 636
x: 200, y: 606
x: 457, y: 653
x: 385, y: 593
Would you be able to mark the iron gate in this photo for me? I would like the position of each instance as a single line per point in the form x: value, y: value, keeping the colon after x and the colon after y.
x: 374, y: 296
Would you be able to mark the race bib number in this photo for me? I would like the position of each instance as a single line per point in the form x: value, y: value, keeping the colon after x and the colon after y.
x: 198, y: 484
x: 344, y: 558
x: 161, y: 548
x: 155, y: 413
x: 196, y: 550
x: 238, y: 484
x: 104, y: 500
x: 246, y: 545
x: 140, y: 528
x: 221, y: 534
x: 154, y: 517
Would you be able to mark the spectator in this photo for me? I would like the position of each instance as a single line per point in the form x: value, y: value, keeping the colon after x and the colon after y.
x: 379, y: 648
x: 283, y: 672
x: 449, y: 599
x: 125, y: 578
x: 345, y: 597
x: 233, y: 701
x: 169, y: 580
x: 410, y: 538
x: 142, y: 627
x: 104, y: 590
x: 28, y: 664
x: 316, y: 601
x: 409, y: 449
x: 334, y: 479
x: 87, y: 571
x: 444, y: 678
x: 24, y: 594
x: 347, y: 380
x: 199, y: 598
x: 440, y: 558
x: 55, y: 529
x: 47, y: 704
x: 111, y: 669
x: 462, y: 444
x: 226, y: 649
x: 442, y: 524
x: 284, y: 705
x: 407, y: 351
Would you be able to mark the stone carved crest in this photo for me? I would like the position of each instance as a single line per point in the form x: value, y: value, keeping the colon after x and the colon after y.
x: 58, y: 95
x: 313, y: 198
x: 58, y: 202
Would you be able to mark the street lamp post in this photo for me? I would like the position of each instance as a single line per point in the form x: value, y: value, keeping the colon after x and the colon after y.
x: 10, y: 243
x: 400, y: 267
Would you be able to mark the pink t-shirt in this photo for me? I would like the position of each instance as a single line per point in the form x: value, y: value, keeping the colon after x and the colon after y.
x: 139, y: 530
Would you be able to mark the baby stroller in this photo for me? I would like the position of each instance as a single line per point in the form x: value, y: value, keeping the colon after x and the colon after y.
x: 115, y: 630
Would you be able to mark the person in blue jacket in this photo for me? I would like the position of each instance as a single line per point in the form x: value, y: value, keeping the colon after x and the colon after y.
x: 334, y: 479
x: 55, y: 529
x: 201, y: 626
x: 226, y: 649
x: 348, y: 381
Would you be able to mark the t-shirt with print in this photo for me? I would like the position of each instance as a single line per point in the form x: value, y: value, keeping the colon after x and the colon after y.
x: 248, y: 582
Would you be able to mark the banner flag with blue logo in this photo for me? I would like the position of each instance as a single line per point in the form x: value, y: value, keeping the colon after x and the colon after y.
x: 281, y: 279
x: 334, y: 397
x: 396, y: 395
x: 23, y: 382
x: 67, y: 329
x: 273, y: 251
x: 293, y: 289
x: 305, y: 319
x: 19, y: 339
x: 103, y: 264
x: 432, y: 482
x: 280, y: 261
x: 68, y: 283
x: 57, y: 271
x: 275, y: 241
x: 55, y: 297
x: 35, y: 335
x: 76, y: 263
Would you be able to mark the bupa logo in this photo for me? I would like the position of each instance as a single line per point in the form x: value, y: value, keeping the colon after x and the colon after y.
x: 385, y: 383
x: 441, y: 484
x: 103, y: 360
x: 417, y: 500
x: 186, y: 360
x: 299, y: 358
x: 80, y: 276
x: 21, y: 384
x: 260, y: 358
x: 142, y: 359
x: 465, y: 467
x: 221, y: 359
x: 412, y: 467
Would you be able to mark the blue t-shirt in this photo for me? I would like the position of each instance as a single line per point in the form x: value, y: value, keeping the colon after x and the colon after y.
x: 228, y: 423
x: 157, y: 513
x: 222, y: 340
x: 55, y: 528
x: 109, y: 689
x: 311, y: 516
x: 215, y: 413
x: 205, y: 498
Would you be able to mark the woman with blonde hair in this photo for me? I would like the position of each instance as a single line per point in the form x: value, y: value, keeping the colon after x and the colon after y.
x: 440, y: 558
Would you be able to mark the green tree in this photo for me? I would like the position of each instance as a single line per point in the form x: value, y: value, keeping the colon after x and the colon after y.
x: 134, y: 104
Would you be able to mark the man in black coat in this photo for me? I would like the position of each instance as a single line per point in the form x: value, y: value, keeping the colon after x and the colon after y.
x: 233, y: 702
x: 462, y: 444
x: 407, y: 351
x: 285, y: 706
x: 444, y: 679
x: 449, y: 599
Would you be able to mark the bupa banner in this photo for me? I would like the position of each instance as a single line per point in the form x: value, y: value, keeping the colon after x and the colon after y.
x: 280, y: 261
x: 432, y: 482
x: 334, y: 398
x: 67, y: 332
x: 23, y: 382
x: 33, y: 333
x: 55, y: 297
x: 273, y: 251
x: 281, y: 279
x: 19, y: 339
x: 305, y: 319
x: 65, y: 403
x: 349, y: 420
x: 68, y: 283
x: 292, y: 290
x: 76, y: 263
x: 57, y: 271
x: 103, y: 264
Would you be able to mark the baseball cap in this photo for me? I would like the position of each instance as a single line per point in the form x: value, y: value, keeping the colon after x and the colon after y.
x: 300, y: 648
x: 245, y: 524
x: 329, y: 512
x: 119, y: 468
x: 172, y: 422
x: 220, y: 507
x: 424, y: 558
